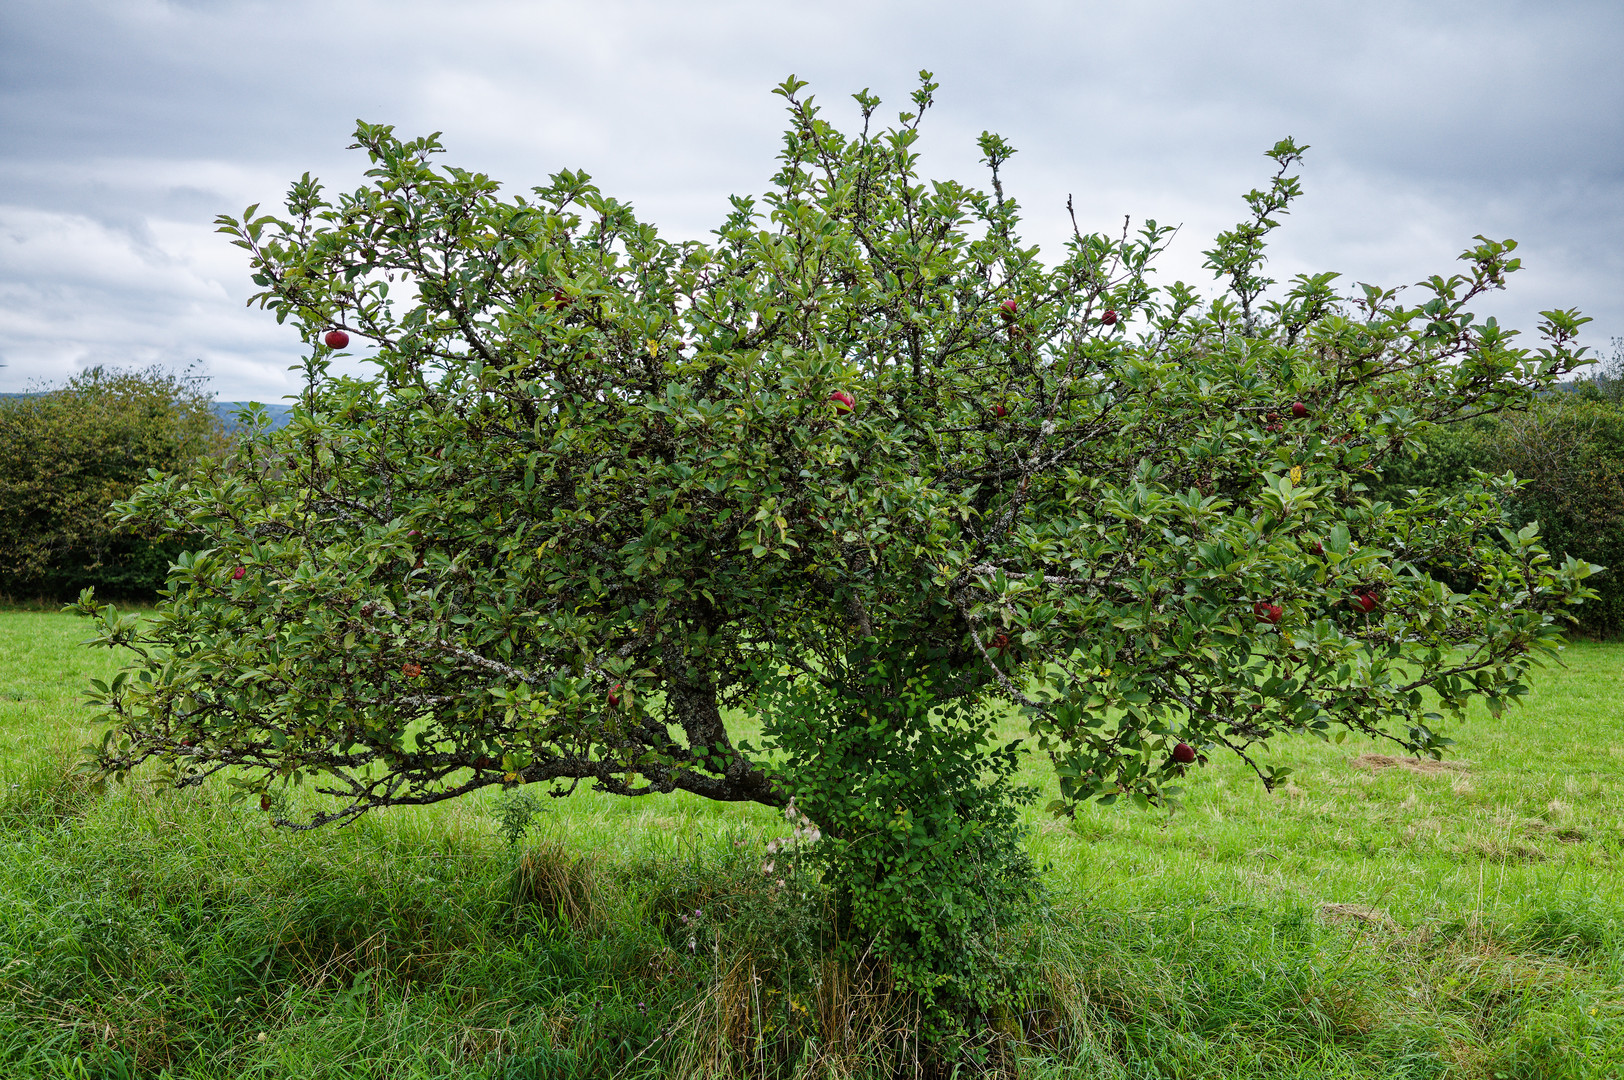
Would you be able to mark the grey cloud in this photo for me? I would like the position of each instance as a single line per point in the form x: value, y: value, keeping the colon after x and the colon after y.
x: 129, y: 123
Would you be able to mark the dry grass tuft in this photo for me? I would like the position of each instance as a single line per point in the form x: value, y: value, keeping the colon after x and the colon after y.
x: 1359, y: 913
x: 847, y: 1024
x: 565, y: 885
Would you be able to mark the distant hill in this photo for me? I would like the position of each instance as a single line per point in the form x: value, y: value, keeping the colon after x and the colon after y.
x: 227, y: 412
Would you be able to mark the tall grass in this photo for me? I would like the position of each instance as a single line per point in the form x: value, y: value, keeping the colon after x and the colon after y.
x: 1370, y: 920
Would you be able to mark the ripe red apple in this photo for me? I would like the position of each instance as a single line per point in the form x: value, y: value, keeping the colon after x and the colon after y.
x: 842, y: 401
x: 1000, y: 411
x: 336, y: 339
x: 614, y: 696
x: 1316, y: 548
x: 237, y: 574
x: 411, y: 669
x: 1366, y: 600
x: 1275, y: 611
x: 1008, y: 309
x: 1109, y: 318
x: 1272, y: 427
x: 1299, y: 410
x: 1184, y: 753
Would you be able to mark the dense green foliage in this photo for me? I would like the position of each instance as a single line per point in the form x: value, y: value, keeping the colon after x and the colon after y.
x: 864, y: 466
x: 1568, y: 451
x: 68, y: 454
x: 1462, y: 923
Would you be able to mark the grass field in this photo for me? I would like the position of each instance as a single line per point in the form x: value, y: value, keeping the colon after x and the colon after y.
x: 1371, y: 920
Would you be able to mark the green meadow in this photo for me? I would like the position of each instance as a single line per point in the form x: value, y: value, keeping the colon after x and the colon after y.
x: 1376, y: 917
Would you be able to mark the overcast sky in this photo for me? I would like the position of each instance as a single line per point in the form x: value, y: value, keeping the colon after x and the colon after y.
x: 126, y: 125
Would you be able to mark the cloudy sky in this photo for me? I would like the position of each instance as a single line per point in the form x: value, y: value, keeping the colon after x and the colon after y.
x: 126, y: 125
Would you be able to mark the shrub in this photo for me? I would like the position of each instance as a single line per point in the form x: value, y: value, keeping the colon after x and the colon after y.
x: 67, y: 455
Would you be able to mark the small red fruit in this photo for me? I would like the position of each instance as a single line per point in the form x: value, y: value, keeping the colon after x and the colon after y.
x: 336, y: 339
x: 1184, y: 753
x: 614, y: 696
x: 237, y: 574
x: 1000, y: 411
x: 1299, y: 410
x: 1366, y: 601
x: 1274, y: 416
x: 1008, y: 309
x: 1275, y: 612
x: 560, y: 299
x: 842, y: 401
x: 1000, y: 641
x: 411, y: 669
x: 1272, y: 427
x: 1109, y: 318
x: 1317, y: 548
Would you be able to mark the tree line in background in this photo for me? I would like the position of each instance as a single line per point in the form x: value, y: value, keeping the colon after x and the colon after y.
x: 1568, y: 449
x: 67, y: 454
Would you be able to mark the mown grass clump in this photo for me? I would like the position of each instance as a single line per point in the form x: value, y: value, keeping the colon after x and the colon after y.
x: 1367, y: 922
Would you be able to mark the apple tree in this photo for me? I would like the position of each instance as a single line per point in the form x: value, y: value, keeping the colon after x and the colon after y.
x: 862, y: 466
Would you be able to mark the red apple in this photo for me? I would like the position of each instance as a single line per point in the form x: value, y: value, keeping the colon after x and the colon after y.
x: 614, y: 696
x: 336, y: 339
x: 1000, y: 411
x: 1109, y: 318
x: 1008, y: 309
x: 842, y: 401
x: 237, y: 574
x: 1184, y: 753
x: 1317, y: 548
x: 1275, y: 611
x: 1366, y: 601
x: 1299, y: 410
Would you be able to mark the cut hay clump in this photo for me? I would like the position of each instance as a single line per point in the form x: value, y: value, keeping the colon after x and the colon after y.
x: 1424, y: 766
